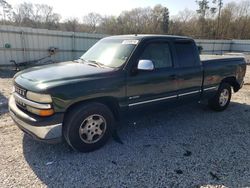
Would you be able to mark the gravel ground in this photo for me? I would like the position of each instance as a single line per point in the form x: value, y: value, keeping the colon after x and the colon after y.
x: 188, y: 146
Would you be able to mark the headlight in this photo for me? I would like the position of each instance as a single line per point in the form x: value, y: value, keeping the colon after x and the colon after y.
x: 37, y: 97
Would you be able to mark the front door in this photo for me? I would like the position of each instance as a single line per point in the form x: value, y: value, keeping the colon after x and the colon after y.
x: 148, y: 87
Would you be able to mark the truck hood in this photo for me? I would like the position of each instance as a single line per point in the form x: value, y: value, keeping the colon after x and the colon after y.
x: 38, y: 78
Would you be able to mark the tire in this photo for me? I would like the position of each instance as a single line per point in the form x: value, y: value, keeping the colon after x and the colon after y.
x: 88, y: 127
x: 222, y: 98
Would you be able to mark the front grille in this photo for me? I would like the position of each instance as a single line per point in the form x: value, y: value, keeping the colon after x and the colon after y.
x: 21, y: 92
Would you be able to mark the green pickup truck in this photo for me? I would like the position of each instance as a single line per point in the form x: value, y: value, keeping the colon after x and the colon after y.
x: 81, y: 101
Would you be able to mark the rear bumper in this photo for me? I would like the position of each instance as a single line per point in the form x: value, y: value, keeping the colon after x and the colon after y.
x: 47, y: 129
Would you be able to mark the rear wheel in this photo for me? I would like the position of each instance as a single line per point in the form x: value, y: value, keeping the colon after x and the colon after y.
x: 88, y: 127
x: 222, y: 98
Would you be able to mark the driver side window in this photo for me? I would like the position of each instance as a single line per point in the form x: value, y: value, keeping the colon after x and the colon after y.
x: 159, y: 53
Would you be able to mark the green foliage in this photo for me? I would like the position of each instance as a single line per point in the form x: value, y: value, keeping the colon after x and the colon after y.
x: 203, y: 7
x: 212, y: 20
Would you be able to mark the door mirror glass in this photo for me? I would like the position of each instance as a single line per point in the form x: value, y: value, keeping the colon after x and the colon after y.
x: 146, y: 65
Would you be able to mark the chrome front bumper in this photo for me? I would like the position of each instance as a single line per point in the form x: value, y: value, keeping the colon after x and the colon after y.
x: 49, y: 131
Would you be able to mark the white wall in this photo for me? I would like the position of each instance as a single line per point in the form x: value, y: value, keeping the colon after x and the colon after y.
x: 214, y: 46
x: 28, y: 44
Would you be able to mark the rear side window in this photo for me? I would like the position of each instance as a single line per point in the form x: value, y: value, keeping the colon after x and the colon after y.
x: 185, y: 52
x: 159, y: 53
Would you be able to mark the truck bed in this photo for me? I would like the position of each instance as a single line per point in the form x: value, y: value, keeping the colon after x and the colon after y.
x: 211, y: 58
x: 217, y: 67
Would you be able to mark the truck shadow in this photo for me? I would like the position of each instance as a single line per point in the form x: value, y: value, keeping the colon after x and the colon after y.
x: 3, y: 104
x: 187, y: 146
x: 7, y: 73
x: 4, y: 73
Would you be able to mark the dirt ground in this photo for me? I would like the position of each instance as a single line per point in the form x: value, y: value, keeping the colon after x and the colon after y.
x: 188, y: 146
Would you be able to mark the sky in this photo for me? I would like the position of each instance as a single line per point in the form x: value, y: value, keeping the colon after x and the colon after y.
x: 79, y: 8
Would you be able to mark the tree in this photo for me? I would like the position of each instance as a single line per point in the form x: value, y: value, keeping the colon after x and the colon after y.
x: 184, y: 23
x: 71, y: 24
x: 109, y: 25
x: 203, y: 8
x: 243, y: 14
x: 38, y: 15
x: 161, y: 18
x: 92, y: 20
x: 214, y: 20
x: 23, y: 14
x: 135, y: 21
x: 186, y: 15
x: 143, y: 20
x: 219, y: 5
x: 44, y: 14
x: 6, y: 10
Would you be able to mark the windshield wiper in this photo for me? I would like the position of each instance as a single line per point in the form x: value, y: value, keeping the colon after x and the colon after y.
x: 93, y: 63
x: 77, y: 60
x: 83, y: 60
x: 97, y: 63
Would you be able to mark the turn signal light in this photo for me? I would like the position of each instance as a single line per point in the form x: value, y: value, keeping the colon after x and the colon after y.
x: 40, y: 112
x: 46, y: 112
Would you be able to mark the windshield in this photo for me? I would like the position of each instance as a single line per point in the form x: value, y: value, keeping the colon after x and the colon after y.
x: 110, y: 52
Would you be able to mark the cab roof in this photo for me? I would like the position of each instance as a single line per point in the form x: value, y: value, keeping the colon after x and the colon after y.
x: 147, y: 36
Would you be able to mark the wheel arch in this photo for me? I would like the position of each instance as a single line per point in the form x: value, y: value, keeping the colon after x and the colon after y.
x: 110, y: 102
x: 232, y: 82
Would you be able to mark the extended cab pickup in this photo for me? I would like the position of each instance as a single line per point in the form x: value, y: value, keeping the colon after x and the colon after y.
x: 82, y: 100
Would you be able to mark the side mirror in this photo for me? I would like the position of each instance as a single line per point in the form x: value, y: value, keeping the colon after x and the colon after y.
x: 145, y: 65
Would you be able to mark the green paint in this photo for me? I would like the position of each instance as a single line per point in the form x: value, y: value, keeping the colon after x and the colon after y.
x: 72, y: 82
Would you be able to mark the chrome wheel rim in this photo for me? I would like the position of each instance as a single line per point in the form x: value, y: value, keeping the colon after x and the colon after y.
x: 92, y: 128
x: 224, y: 96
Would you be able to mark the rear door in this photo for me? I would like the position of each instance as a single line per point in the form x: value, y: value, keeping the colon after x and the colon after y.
x: 189, y: 72
x: 149, y: 87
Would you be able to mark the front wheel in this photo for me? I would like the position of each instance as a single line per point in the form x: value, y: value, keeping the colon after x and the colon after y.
x: 222, y: 98
x: 88, y: 127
